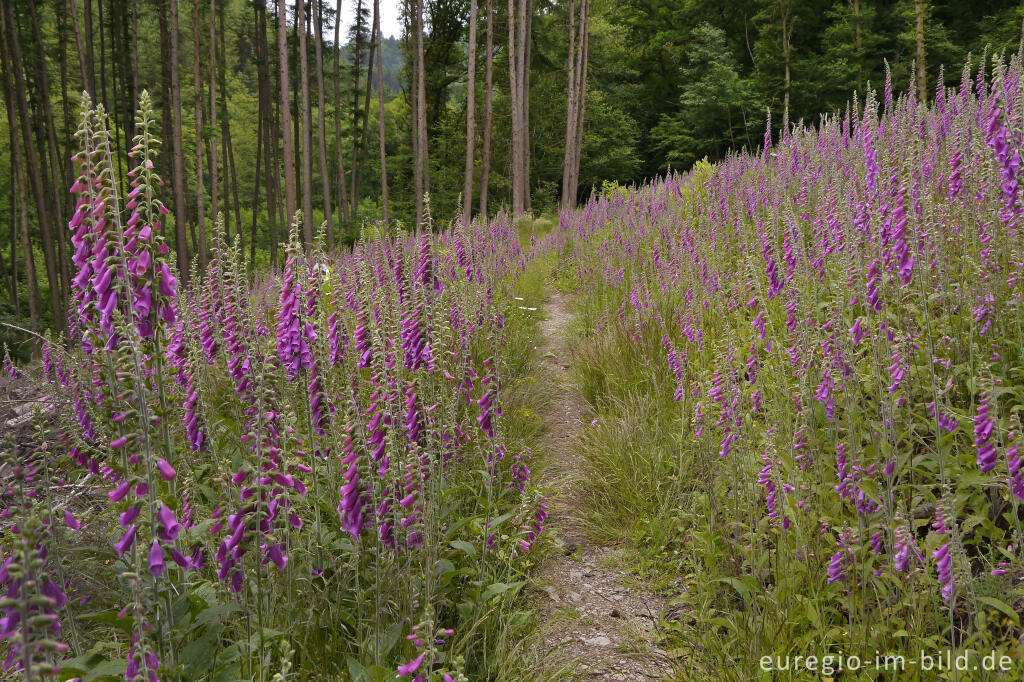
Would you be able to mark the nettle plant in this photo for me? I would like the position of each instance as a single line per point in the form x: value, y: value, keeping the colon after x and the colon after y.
x: 302, y: 474
x: 833, y: 326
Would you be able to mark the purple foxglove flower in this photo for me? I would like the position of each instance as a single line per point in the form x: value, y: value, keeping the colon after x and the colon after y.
x: 126, y: 541
x: 411, y: 667
x: 944, y: 567
x: 167, y: 472
x: 169, y: 523
x: 983, y: 429
x: 119, y: 493
x: 156, y: 559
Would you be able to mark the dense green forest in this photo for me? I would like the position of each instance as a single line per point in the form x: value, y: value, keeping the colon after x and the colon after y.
x: 664, y: 84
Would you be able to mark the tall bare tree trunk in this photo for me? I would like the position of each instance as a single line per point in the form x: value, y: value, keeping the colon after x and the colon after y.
x: 178, y: 178
x: 266, y: 115
x: 485, y: 155
x: 515, y: 103
x: 421, y: 116
x: 356, y: 66
x: 58, y: 183
x: 325, y: 181
x: 12, y: 283
x: 582, y: 102
x: 82, y: 56
x: 568, y: 192
x: 342, y: 191
x: 89, y: 55
x: 228, y: 161
x: 307, y: 130
x: 286, y: 117
x: 197, y: 87
x: 414, y: 100
x: 380, y: 113
x: 256, y: 183
x: 785, y: 7
x: 214, y: 208
x: 34, y: 302
x: 166, y: 126
x: 858, y: 41
x: 296, y: 113
x: 18, y: 190
x: 922, y: 72
x: 15, y: 197
x: 524, y: 84
x: 467, y: 197
x: 357, y: 170
x: 20, y: 95
x: 275, y: 189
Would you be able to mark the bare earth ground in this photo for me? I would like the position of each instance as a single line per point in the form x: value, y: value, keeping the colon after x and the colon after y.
x: 592, y: 622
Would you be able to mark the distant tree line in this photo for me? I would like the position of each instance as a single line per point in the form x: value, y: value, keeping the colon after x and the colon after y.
x: 269, y: 106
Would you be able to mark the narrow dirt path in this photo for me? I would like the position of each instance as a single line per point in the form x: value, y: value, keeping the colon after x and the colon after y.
x: 591, y: 622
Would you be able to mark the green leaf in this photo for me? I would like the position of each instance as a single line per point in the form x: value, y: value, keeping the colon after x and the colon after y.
x: 215, y: 612
x: 495, y: 589
x: 464, y: 546
x: 737, y: 585
x: 106, y: 670
x: 1005, y: 608
x: 111, y: 618
x: 199, y: 655
x: 357, y: 671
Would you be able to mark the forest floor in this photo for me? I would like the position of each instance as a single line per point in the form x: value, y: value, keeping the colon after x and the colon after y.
x: 593, y: 622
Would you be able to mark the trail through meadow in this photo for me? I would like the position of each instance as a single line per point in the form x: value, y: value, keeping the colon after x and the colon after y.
x: 593, y: 622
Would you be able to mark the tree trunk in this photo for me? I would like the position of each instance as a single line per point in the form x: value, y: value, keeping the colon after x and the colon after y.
x: 266, y: 114
x: 89, y: 55
x: 18, y: 183
x: 307, y: 130
x: 256, y: 184
x: 421, y: 115
x: 34, y: 302
x: 197, y: 87
x: 166, y: 160
x: 342, y: 191
x: 35, y: 178
x: 356, y: 65
x: 178, y: 178
x: 784, y: 9
x: 58, y: 183
x: 17, y: 189
x: 296, y: 114
x: 135, y: 59
x: 581, y: 98
x: 414, y: 118
x: 568, y: 192
x: 922, y: 72
x: 380, y: 113
x: 286, y: 118
x: 228, y: 161
x: 65, y: 156
x: 82, y: 56
x: 12, y: 286
x: 357, y: 170
x: 214, y: 188
x: 515, y: 104
x: 485, y: 155
x: 524, y: 83
x: 321, y: 129
x: 467, y: 198
x: 275, y: 191
x: 858, y: 42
